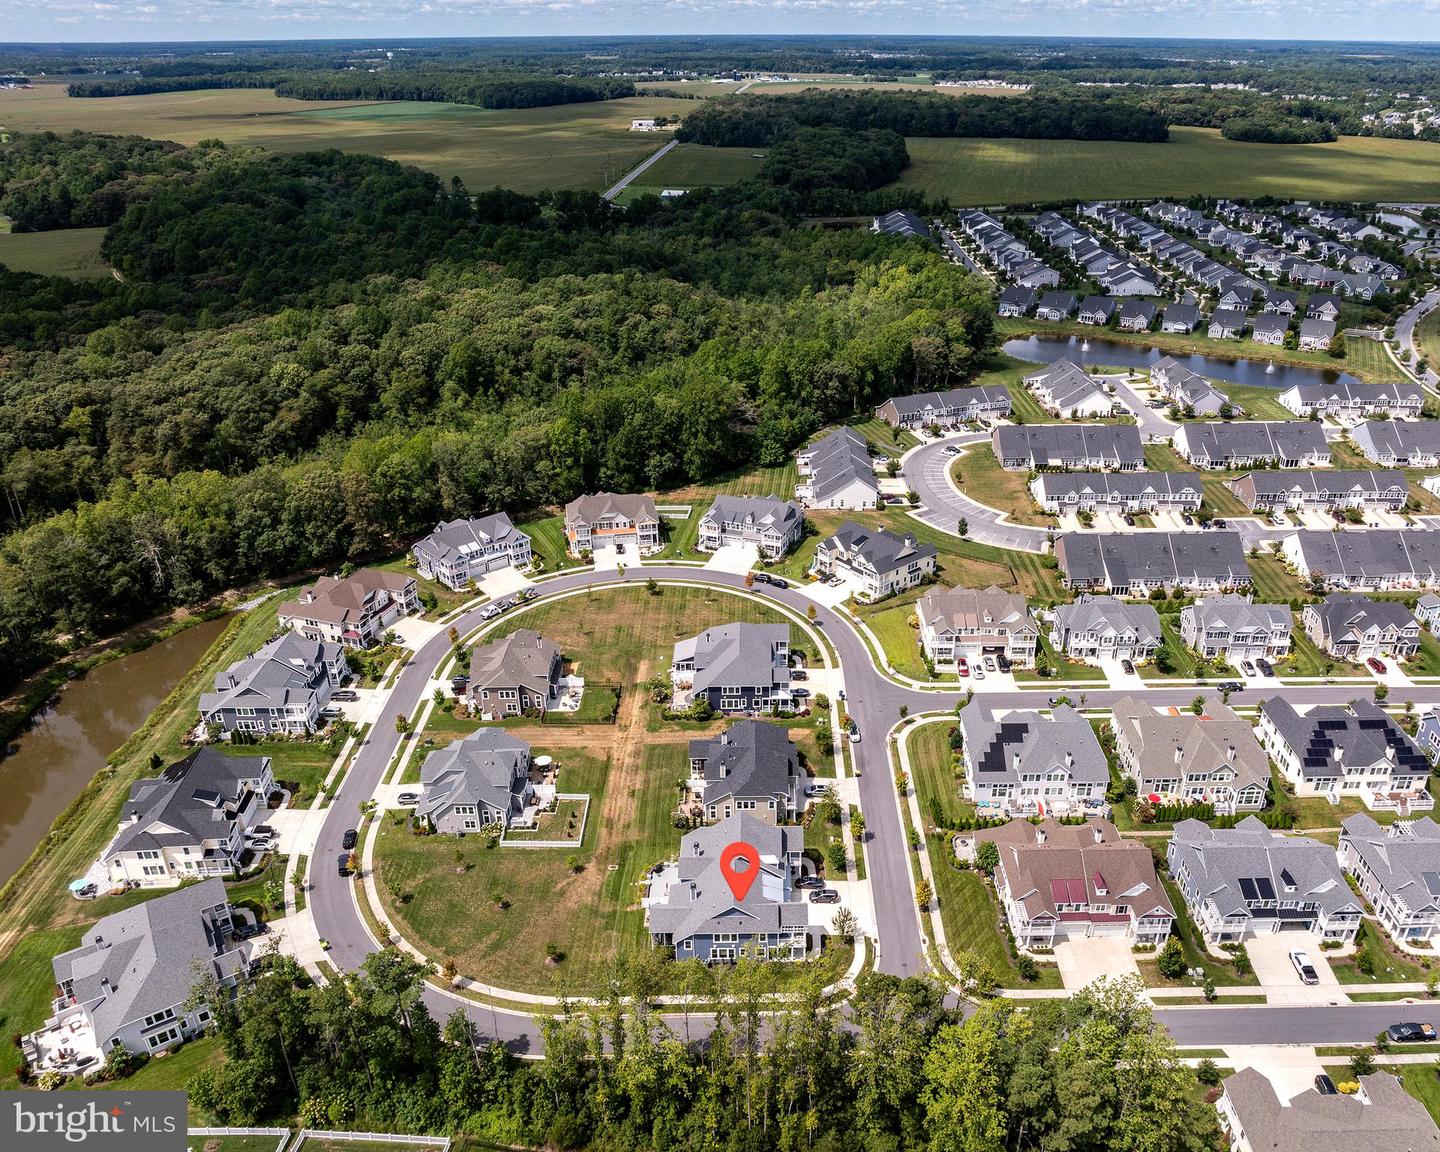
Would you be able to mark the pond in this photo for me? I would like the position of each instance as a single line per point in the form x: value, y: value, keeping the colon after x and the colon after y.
x: 1043, y: 349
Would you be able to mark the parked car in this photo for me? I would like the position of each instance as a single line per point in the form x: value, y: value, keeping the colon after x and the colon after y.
x: 979, y: 672
x: 1279, y: 520
x: 1217, y: 523
x: 1189, y: 520
x: 816, y: 789
x: 800, y: 693
x: 1376, y: 666
x: 1303, y: 968
x: 779, y: 582
x: 490, y: 611
x: 989, y: 663
x: 759, y: 578
x: 246, y: 931
x: 262, y: 830
x: 855, y: 736
x: 1127, y: 667
x: 1325, y: 1086
x: 825, y: 896
x: 344, y: 864
x: 345, y: 695
x: 349, y: 840
x: 1266, y: 668
x: 799, y: 674
x: 331, y: 712
x: 408, y: 799
x: 1129, y: 520
x: 809, y: 882
x: 952, y: 450
x: 1410, y: 1033
x: 1003, y: 661
x: 962, y: 666
x: 1232, y: 686
x: 1247, y: 667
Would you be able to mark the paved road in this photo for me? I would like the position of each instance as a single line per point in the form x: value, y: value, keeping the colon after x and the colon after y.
x: 638, y: 170
x: 875, y: 702
x: 942, y: 505
x: 1154, y: 424
x: 1405, y: 332
x: 952, y: 246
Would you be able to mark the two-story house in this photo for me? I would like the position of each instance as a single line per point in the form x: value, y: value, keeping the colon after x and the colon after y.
x: 1027, y: 764
x: 1058, y: 492
x: 946, y: 409
x: 613, y: 522
x: 518, y: 673
x: 750, y: 768
x: 836, y: 472
x: 970, y: 624
x: 355, y: 610
x: 1070, y: 447
x: 1097, y: 628
x: 459, y: 552
x: 1135, y: 564
x: 1379, y: 1116
x: 1323, y: 491
x: 873, y: 563
x: 1178, y: 757
x: 1253, y: 443
x: 1235, y: 628
x: 279, y: 690
x: 482, y: 779
x: 1355, y: 628
x: 1065, y: 389
x: 773, y: 525
x: 736, y: 667
x: 1397, y: 869
x: 1399, y: 443
x: 1354, y: 400
x: 1375, y: 559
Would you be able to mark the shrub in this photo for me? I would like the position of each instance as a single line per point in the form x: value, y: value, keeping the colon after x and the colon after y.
x: 1172, y: 959
x: 1027, y: 968
x: 1362, y: 1064
x: 1207, y: 1072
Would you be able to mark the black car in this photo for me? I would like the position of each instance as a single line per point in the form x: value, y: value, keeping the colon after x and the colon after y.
x: 1217, y: 523
x: 799, y: 674
x: 345, y: 695
x: 809, y: 882
x: 1265, y: 667
x: 1325, y: 1086
x: 1002, y: 662
x: 245, y: 931
x: 1232, y: 686
x: 348, y: 840
x: 1189, y: 520
x: 344, y: 863
x: 1128, y: 667
x: 779, y: 582
x: 825, y: 896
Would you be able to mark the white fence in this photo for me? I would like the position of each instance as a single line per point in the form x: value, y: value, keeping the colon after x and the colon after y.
x: 508, y: 841
x: 675, y: 511
x: 442, y: 1143
x: 280, y: 1134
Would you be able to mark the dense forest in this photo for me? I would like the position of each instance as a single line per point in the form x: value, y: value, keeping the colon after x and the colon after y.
x: 893, y: 1070
x: 757, y: 123
x: 316, y: 355
x: 1277, y: 130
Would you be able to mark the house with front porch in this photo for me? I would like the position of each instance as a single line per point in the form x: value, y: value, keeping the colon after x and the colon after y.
x: 1175, y: 756
x: 1397, y: 868
x: 1399, y: 444
x: 1058, y: 492
x: 1249, y: 881
x: 1096, y: 628
x: 1065, y: 389
x: 612, y: 521
x: 1352, y: 750
x: 461, y: 552
x: 355, y: 610
x: 945, y: 409
x: 1024, y: 763
x: 1322, y: 491
x: 480, y: 781
x: 1355, y: 628
x: 1073, y: 881
x: 1354, y: 400
x: 1136, y: 563
x: 1186, y: 389
x: 1054, y: 306
x: 516, y: 674
x: 279, y: 690
x: 971, y: 624
x: 836, y: 472
x: 1253, y: 443
x: 190, y: 821
x: 1378, y: 559
x: 773, y: 525
x: 752, y: 768
x: 1234, y: 629
x: 1316, y: 335
x: 873, y: 562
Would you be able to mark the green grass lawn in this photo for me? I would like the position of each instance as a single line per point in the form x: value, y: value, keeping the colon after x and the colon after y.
x: 1427, y: 336
x: 1196, y: 161
x: 250, y: 892
x: 27, y: 983
x: 1427, y: 661
x: 1422, y: 1082
x: 314, y: 1144
x: 547, y: 543
x: 1390, y: 965
x: 979, y: 474
x: 901, y: 642
x: 699, y: 165
x: 1181, y: 658
x: 1195, y: 954
x: 1274, y: 583
x: 236, y: 1143
x: 931, y: 774
x: 1063, y: 666
x: 173, y: 1073
x: 1257, y: 402
x: 73, y: 253
x: 301, y: 763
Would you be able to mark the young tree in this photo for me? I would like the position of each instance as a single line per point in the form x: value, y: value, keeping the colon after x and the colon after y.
x: 987, y: 857
x: 923, y: 894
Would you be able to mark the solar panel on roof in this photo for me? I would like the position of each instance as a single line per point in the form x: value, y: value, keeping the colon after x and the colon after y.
x: 1247, y: 888
x: 1265, y: 887
x: 1432, y: 882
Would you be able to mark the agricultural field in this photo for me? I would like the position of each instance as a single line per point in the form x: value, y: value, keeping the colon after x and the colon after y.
x: 697, y: 166
x: 1195, y: 161
x: 565, y: 146
x: 73, y: 253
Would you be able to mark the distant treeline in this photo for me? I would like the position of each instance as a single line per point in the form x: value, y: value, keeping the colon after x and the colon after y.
x: 811, y: 161
x: 484, y: 91
x: 759, y: 123
x: 1267, y: 129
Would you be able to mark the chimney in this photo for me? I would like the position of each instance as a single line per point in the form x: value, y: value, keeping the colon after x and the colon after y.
x: 1179, y: 754
x: 106, y: 986
x: 1099, y: 836
x: 1069, y: 759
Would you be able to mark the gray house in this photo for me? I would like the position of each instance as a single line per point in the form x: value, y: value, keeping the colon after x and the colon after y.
x: 1058, y: 492
x: 1398, y: 870
x: 1345, y: 399
x: 750, y: 768
x: 737, y: 667
x: 689, y: 906
x: 873, y: 563
x: 836, y: 472
x: 1250, y: 881
x: 1068, y: 447
x: 1380, y: 1117
x: 482, y: 779
x: 945, y: 409
x: 1178, y: 318
x: 125, y: 987
x: 518, y: 673
x: 459, y: 551
x: 1399, y: 444
x: 1178, y: 757
x: 1186, y: 389
x: 281, y: 689
x: 1235, y: 628
x: 1025, y: 764
x: 1353, y: 627
x: 1135, y: 564
x: 1327, y: 490
x: 1252, y: 443
x: 1055, y: 306
x: 1316, y: 335
x: 1104, y: 628
x: 773, y: 525
x: 1016, y: 301
x: 1377, y: 558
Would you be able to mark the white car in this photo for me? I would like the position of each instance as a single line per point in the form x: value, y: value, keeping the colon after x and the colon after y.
x: 1303, y: 968
x: 855, y: 736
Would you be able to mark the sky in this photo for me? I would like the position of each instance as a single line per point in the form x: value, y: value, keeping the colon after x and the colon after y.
x: 138, y: 20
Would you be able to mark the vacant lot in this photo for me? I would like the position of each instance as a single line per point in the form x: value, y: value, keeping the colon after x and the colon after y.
x: 698, y: 166
x: 1195, y: 161
x: 72, y: 252
x: 567, y: 146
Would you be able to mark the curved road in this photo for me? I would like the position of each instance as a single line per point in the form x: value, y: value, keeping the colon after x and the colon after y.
x: 927, y: 473
x: 875, y: 702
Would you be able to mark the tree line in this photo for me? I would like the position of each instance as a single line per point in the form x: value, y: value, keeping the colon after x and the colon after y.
x: 1272, y: 129
x: 752, y: 123
x: 893, y: 1069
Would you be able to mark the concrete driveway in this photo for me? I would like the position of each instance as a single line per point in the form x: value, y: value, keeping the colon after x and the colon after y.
x: 1290, y: 1069
x: 1084, y: 960
x: 737, y: 558
x: 1270, y: 957
x: 503, y: 582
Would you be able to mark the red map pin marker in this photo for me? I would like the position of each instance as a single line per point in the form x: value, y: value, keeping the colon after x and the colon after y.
x: 739, y: 864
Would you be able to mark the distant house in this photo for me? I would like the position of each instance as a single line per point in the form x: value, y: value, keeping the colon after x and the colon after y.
x: 945, y: 409
x: 1378, y: 559
x: 1058, y: 492
x: 1096, y: 310
x: 903, y: 223
x: 1016, y: 301
x: 1427, y: 611
x: 458, y: 552
x: 281, y: 689
x: 1065, y: 881
x: 1269, y: 328
x: 1281, y: 302
x: 1316, y: 335
x: 1340, y: 751
x: 513, y: 675
x: 1135, y: 564
x: 873, y: 563
x: 355, y: 611
x: 1055, y: 306
x: 1324, y: 490
x: 1076, y: 447
x: 1397, y: 869
x: 1135, y: 316
x: 837, y: 473
x: 1065, y: 389
x: 1252, y: 443
x: 1227, y: 324
x: 1236, y: 297
x: 964, y: 622
x: 190, y: 821
x: 1234, y: 629
x: 1186, y: 389
x: 1178, y: 757
x: 1354, y: 400
x: 1097, y: 628
x: 1353, y: 627
x: 1179, y: 318
x: 1027, y: 764
x: 736, y: 667
x: 1322, y: 307
x: 689, y: 906
x: 610, y: 521
x: 127, y: 986
x: 644, y: 124
x: 752, y: 769
x: 482, y: 779
x: 1380, y: 1116
x: 1249, y: 881
x: 773, y: 525
x: 1399, y: 444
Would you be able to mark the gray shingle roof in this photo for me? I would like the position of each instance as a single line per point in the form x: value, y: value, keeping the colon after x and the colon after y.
x: 1376, y: 553
x: 750, y: 758
x: 1220, y: 440
x: 743, y: 655
x: 1107, y: 613
x: 1169, y: 745
x: 1236, y: 613
x: 524, y: 659
x: 285, y: 671
x: 1316, y: 485
x: 1057, y: 485
x: 490, y: 767
x: 955, y: 398
x: 1330, y: 736
x: 1059, y: 445
x: 999, y: 749
x: 881, y: 549
x: 195, y: 799
x: 839, y: 460
x: 1391, y: 1121
x: 1343, y: 614
x: 1397, y: 439
x: 1405, y: 857
x: 453, y: 539
x: 763, y: 511
x: 1118, y: 559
